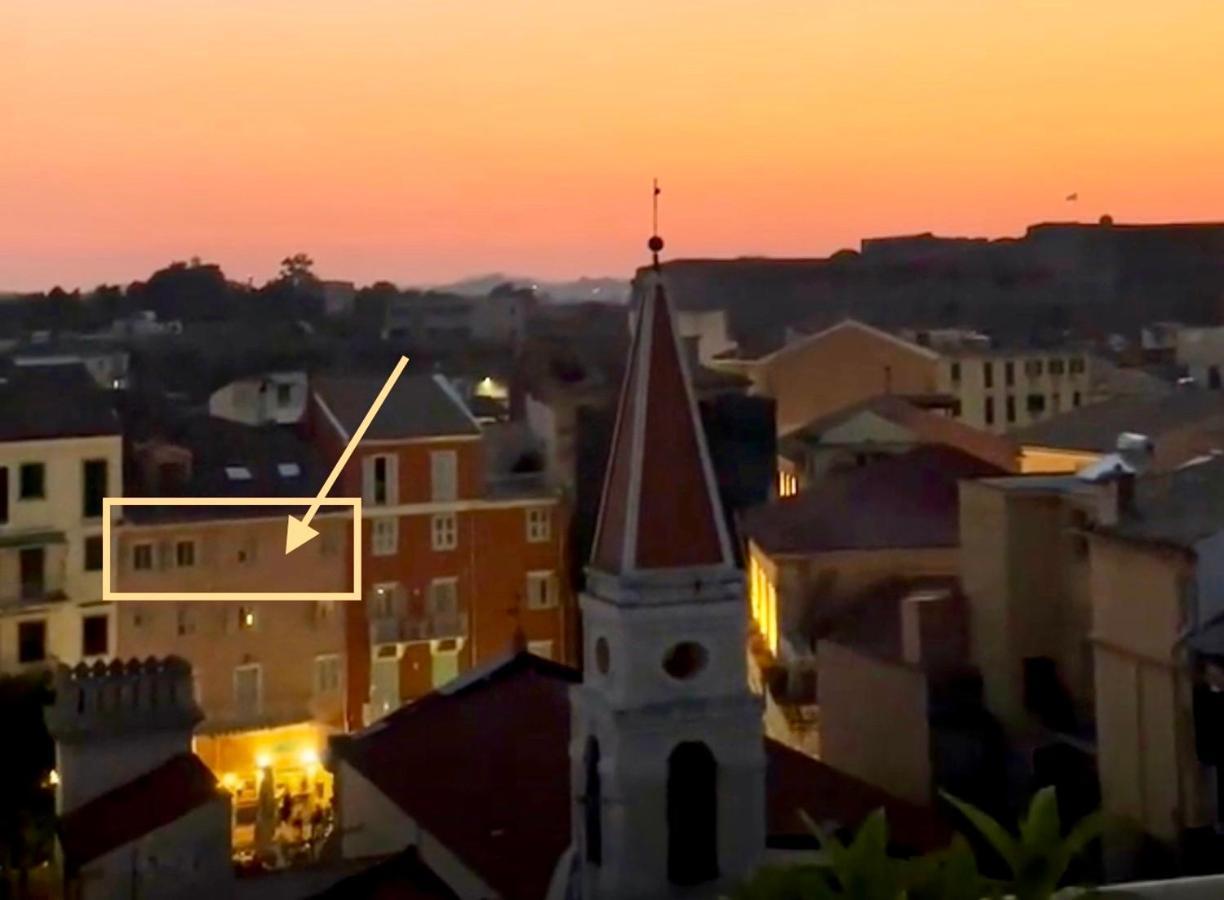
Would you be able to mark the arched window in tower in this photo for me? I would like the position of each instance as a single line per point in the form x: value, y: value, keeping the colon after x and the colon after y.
x: 692, y: 814
x: 593, y: 804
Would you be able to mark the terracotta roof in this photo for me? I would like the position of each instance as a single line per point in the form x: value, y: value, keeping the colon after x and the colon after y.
x: 660, y: 506
x: 483, y: 766
x: 910, y: 500
x: 402, y: 877
x: 927, y: 427
x: 1096, y: 427
x: 418, y: 406
x: 155, y: 799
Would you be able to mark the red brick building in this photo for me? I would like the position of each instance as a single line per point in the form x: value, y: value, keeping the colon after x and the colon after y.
x: 459, y: 565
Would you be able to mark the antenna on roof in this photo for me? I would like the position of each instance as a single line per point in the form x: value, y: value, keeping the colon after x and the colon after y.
x: 655, y: 243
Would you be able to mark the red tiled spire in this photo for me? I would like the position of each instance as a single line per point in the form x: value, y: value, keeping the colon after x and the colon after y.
x: 660, y: 507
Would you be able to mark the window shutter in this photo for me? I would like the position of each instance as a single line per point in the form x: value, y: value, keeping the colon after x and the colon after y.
x: 392, y: 479
x: 367, y: 479
x: 165, y: 555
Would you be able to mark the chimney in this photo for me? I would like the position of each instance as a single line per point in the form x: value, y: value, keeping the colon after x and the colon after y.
x: 112, y: 723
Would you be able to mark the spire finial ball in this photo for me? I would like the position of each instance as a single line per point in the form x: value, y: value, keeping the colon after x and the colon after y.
x: 655, y: 244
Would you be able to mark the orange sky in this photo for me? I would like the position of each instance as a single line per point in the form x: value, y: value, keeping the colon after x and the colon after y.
x: 424, y: 140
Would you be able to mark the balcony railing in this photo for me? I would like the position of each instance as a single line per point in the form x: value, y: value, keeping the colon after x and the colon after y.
x: 414, y: 629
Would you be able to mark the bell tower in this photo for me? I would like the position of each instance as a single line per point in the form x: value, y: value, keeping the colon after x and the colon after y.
x: 667, y: 749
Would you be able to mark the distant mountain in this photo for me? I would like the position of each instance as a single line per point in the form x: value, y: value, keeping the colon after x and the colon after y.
x: 608, y: 290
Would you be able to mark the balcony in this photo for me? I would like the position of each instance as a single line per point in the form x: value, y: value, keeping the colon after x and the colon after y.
x: 416, y: 629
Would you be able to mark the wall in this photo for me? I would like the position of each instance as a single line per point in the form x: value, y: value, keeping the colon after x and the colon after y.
x: 1058, y: 392
x: 1054, y: 461
x: 873, y: 721
x: 256, y: 401
x: 1148, y: 770
x: 61, y: 511
x: 188, y: 858
x: 284, y: 638
x: 819, y: 375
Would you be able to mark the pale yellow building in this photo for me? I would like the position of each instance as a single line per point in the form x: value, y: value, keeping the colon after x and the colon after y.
x: 60, y: 455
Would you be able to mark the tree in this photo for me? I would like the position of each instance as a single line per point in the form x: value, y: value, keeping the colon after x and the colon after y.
x: 298, y: 270
x: 1037, y: 859
x: 27, y: 812
x: 1036, y: 862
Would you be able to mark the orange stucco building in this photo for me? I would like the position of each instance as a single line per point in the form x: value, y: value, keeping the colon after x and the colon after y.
x: 458, y: 565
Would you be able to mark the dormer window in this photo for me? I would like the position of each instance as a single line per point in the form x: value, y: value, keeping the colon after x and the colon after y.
x: 237, y: 473
x: 288, y: 470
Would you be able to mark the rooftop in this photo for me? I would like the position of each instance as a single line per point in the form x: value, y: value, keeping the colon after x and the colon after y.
x: 927, y: 427
x: 53, y: 401
x: 910, y: 500
x: 155, y: 799
x: 419, y: 406
x: 1096, y: 427
x: 1177, y: 508
x: 506, y: 814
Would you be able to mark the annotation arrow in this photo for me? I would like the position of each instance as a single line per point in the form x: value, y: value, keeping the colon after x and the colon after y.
x: 298, y: 531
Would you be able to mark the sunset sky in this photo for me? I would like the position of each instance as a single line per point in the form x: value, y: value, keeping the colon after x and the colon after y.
x: 425, y: 140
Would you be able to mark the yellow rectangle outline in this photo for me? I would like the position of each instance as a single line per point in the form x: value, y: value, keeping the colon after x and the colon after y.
x: 110, y: 503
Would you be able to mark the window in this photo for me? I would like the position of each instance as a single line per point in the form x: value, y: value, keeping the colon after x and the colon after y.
x: 185, y: 620
x: 1055, y: 402
x: 384, y: 538
x: 142, y: 557
x: 1076, y: 365
x: 1011, y: 408
x: 1032, y: 368
x: 284, y: 394
x: 444, y: 597
x: 248, y: 689
x: 184, y: 554
x: 539, y: 521
x: 444, y: 532
x: 956, y: 409
x: 382, y: 601
x: 248, y: 620
x: 32, y: 564
x: 4, y: 494
x: 692, y: 814
x: 93, y: 554
x: 93, y: 487
x: 1056, y: 367
x: 1009, y: 373
x: 988, y: 374
x: 94, y: 635
x: 237, y: 473
x: 1035, y: 403
x: 989, y: 410
x: 379, y: 480
x: 1075, y: 398
x: 541, y: 590
x: 33, y: 481
x: 955, y: 373
x: 327, y: 674
x: 31, y: 641
x: 540, y: 648
x: 444, y: 475
x: 288, y: 470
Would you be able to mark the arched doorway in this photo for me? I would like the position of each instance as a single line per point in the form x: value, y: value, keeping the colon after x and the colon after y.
x: 692, y: 814
x: 592, y: 798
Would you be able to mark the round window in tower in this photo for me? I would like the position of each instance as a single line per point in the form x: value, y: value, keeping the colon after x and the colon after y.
x: 685, y: 660
x: 603, y: 656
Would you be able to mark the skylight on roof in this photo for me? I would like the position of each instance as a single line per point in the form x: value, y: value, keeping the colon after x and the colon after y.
x: 237, y: 473
x: 288, y: 469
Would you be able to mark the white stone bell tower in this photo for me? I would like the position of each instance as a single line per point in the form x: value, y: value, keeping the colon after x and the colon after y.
x: 667, y: 748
